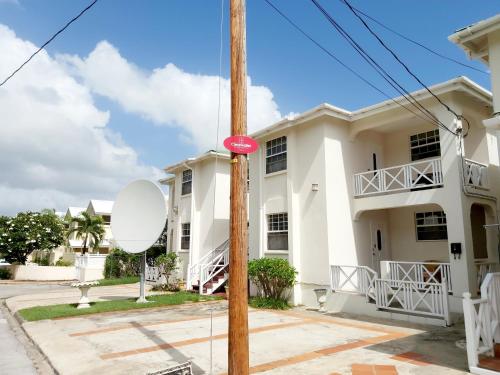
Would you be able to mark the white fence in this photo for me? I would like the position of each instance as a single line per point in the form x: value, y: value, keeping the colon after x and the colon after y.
x: 356, y: 279
x: 410, y: 297
x: 476, y: 174
x: 482, y: 317
x: 89, y: 266
x: 427, y: 173
x: 152, y: 274
x: 420, y: 273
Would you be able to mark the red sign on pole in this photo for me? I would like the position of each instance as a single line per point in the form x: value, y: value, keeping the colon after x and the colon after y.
x: 241, y: 144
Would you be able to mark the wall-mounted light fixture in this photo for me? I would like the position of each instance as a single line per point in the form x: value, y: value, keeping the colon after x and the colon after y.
x: 315, y: 187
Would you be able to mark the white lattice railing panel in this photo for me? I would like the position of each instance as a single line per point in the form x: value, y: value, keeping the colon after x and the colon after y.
x: 153, y: 274
x: 420, y: 273
x: 356, y: 279
x: 193, y: 272
x: 410, y: 297
x: 426, y: 173
x: 481, y: 318
x: 476, y: 174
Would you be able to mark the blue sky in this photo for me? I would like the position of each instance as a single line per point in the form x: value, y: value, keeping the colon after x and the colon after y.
x: 151, y: 34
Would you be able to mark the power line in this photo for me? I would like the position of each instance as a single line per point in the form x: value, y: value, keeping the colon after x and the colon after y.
x: 416, y: 42
x: 380, y: 70
x: 48, y: 41
x: 398, y: 59
x: 329, y: 53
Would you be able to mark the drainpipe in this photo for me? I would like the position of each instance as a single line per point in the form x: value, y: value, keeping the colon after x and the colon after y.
x: 191, y: 237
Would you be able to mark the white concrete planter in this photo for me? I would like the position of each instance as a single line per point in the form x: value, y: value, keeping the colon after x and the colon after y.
x: 321, y: 297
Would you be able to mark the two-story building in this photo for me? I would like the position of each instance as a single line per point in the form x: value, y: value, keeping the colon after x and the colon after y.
x: 199, y: 213
x: 350, y: 198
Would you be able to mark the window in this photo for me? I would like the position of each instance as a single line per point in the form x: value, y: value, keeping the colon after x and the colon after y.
x: 425, y: 145
x: 276, y: 155
x: 106, y: 219
x: 187, y: 179
x: 185, y: 236
x: 277, y: 231
x: 431, y: 226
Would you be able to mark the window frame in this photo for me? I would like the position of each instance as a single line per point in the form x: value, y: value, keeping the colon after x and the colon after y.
x: 269, y: 154
x: 426, y: 135
x: 440, y: 215
x: 187, y: 181
x: 184, y: 236
x: 281, y: 228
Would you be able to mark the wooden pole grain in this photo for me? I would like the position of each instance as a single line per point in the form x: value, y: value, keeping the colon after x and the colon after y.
x: 238, y: 361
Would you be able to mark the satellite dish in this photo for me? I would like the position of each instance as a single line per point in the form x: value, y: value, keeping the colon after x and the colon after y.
x: 138, y: 217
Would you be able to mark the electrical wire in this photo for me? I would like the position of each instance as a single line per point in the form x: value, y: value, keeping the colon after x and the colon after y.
x: 380, y: 70
x: 381, y: 24
x: 400, y: 61
x: 354, y: 72
x: 48, y: 41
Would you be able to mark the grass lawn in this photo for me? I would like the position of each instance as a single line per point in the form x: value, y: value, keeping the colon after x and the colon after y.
x: 268, y: 303
x: 58, y: 311
x: 119, y: 281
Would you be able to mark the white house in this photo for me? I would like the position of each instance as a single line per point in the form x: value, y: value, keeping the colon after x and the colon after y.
x: 353, y: 199
x: 199, y: 213
x: 103, y: 209
x: 74, y: 243
x: 481, y: 315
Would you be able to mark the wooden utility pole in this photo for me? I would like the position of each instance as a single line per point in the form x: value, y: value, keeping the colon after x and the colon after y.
x: 238, y: 238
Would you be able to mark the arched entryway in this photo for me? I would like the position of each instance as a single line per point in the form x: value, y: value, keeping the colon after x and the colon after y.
x: 479, y: 237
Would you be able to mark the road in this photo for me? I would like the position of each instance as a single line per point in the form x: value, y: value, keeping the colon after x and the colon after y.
x: 14, y: 358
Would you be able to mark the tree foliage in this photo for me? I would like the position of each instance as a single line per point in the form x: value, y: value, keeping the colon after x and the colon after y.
x: 88, y: 228
x: 29, y: 231
x: 120, y: 264
x: 168, y: 264
x: 272, y: 276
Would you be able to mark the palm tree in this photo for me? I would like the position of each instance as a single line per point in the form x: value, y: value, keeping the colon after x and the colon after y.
x: 88, y: 227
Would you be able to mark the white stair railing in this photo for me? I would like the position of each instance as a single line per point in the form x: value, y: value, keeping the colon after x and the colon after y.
x: 426, y: 173
x: 216, y: 267
x: 420, y: 273
x: 356, y: 279
x: 193, y: 275
x: 481, y: 318
x: 411, y: 297
x: 476, y: 174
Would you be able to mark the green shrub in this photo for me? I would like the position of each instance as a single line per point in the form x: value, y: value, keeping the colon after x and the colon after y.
x: 167, y: 265
x: 272, y: 276
x: 268, y: 303
x: 63, y: 263
x: 5, y: 274
x: 121, y: 264
x: 42, y: 258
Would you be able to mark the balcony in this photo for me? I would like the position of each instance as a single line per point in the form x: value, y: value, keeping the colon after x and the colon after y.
x: 475, y: 174
x: 408, y: 177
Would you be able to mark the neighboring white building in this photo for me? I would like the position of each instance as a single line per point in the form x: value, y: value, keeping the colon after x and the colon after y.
x: 198, y: 209
x: 333, y: 188
x: 74, y: 244
x: 103, y: 209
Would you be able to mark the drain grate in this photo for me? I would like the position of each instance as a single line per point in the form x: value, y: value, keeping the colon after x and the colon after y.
x: 182, y: 369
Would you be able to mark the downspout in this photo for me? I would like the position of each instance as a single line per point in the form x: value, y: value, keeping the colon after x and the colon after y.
x: 191, y: 214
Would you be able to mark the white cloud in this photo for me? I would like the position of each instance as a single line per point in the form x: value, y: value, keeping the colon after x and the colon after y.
x: 55, y: 149
x: 170, y: 96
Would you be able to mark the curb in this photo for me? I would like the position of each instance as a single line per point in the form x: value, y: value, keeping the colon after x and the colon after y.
x: 40, y: 361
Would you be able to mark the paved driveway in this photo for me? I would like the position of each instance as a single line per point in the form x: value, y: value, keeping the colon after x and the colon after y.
x: 291, y: 342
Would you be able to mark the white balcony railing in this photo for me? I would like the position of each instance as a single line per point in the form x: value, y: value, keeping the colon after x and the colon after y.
x: 482, y: 321
x: 355, y: 279
x: 417, y: 175
x: 475, y: 174
x: 420, y: 273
